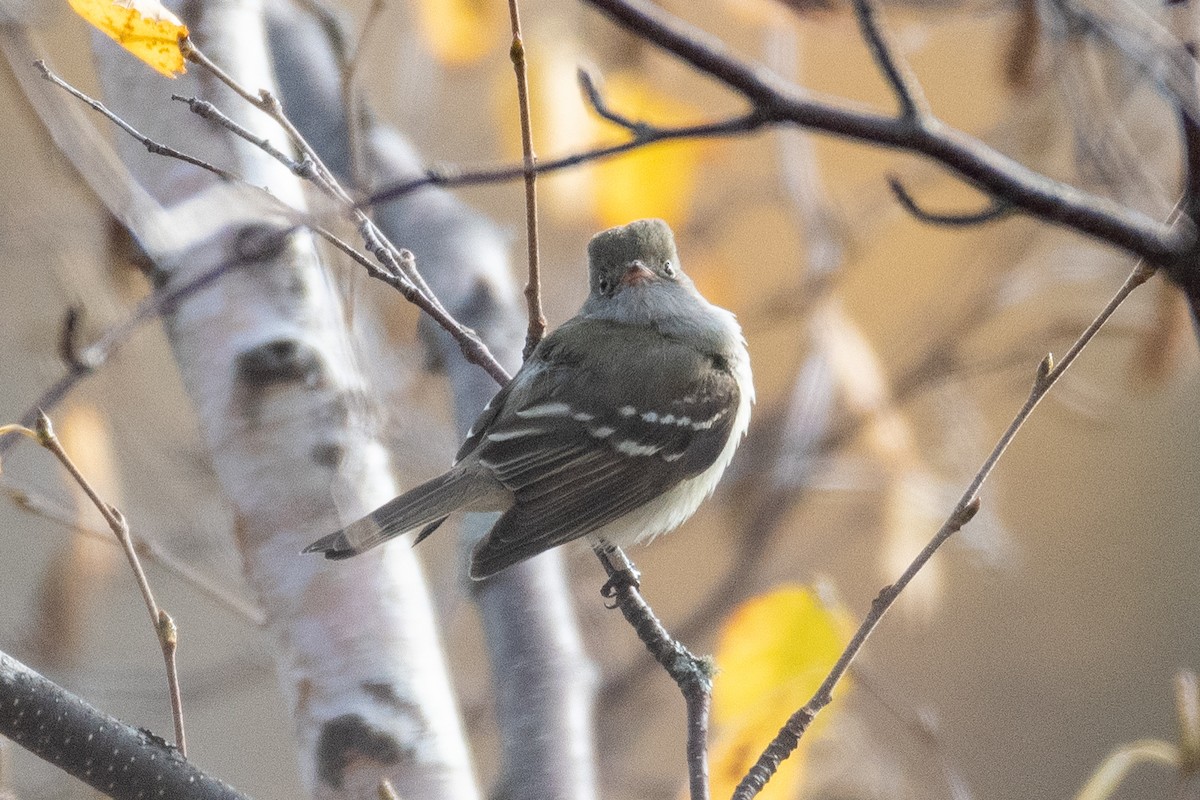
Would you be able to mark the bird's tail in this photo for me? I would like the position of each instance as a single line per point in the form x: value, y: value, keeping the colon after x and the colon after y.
x: 431, y: 502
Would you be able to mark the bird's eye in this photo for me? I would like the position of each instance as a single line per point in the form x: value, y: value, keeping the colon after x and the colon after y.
x: 604, y: 285
x: 668, y: 270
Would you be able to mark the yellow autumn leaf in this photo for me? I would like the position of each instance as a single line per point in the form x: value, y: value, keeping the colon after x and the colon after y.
x: 655, y: 181
x: 773, y: 653
x: 460, y: 32
x: 143, y: 27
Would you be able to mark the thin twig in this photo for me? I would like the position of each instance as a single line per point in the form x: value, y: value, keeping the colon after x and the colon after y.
x: 151, y: 146
x: 269, y: 104
x: 164, y: 627
x: 168, y: 637
x: 692, y: 674
x: 591, y: 91
x: 1047, y: 375
x: 644, y: 134
x: 414, y: 288
x: 533, y: 288
x: 472, y: 347
x: 411, y: 285
x: 303, y: 168
x: 914, y: 108
x: 995, y: 210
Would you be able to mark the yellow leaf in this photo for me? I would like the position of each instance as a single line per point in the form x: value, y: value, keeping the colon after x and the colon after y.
x: 143, y: 27
x: 655, y: 181
x: 460, y: 32
x: 772, y: 654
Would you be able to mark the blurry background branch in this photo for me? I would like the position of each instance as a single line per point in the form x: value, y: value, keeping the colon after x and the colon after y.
x: 775, y: 101
x: 1005, y: 179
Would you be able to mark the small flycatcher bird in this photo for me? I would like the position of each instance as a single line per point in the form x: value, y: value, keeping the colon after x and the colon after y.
x: 616, y: 428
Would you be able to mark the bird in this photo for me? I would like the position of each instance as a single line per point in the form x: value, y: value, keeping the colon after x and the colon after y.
x: 615, y: 429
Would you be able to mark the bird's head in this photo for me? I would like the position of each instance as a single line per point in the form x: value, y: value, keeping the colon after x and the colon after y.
x: 635, y: 276
x: 634, y: 255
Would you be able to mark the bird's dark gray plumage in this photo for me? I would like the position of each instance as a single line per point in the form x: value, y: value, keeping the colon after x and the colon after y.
x: 616, y: 427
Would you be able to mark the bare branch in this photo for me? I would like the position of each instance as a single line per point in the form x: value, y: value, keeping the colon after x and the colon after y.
x: 402, y: 268
x: 533, y: 288
x: 914, y: 108
x: 587, y: 84
x: 1047, y: 375
x: 778, y: 101
x: 692, y: 674
x: 164, y: 627
x: 303, y: 167
x: 153, y: 147
x: 645, y: 134
x: 266, y: 102
x: 415, y: 290
x: 995, y: 210
x: 94, y: 747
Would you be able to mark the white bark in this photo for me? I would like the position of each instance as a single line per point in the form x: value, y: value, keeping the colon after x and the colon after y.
x: 544, y: 683
x: 265, y: 355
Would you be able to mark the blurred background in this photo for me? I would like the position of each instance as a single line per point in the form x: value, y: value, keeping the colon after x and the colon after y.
x: 889, y: 355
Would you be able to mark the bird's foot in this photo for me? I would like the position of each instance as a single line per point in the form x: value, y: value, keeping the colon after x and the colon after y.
x: 621, y: 579
x: 622, y: 575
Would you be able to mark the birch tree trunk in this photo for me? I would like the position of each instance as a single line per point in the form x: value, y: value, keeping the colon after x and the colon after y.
x: 284, y: 409
x: 544, y: 683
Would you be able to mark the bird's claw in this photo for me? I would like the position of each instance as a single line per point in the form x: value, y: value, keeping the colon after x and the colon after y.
x: 619, y: 580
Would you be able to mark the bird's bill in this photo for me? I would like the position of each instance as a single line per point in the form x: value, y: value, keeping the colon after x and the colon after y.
x: 637, y: 274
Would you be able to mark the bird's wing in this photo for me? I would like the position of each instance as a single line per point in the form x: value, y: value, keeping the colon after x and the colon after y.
x: 485, y: 419
x: 589, y: 434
